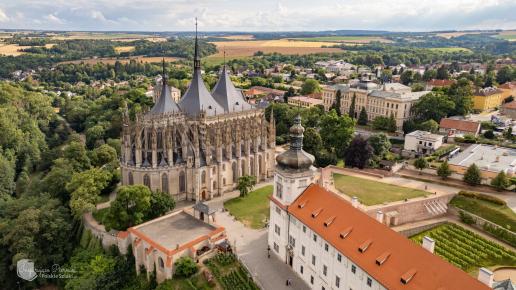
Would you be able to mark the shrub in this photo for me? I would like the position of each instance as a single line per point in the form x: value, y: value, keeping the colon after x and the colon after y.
x: 501, y: 181
x: 483, y: 197
x: 466, y: 218
x: 472, y: 175
x: 185, y: 267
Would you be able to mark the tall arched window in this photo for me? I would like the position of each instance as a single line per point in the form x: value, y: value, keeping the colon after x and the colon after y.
x: 251, y: 164
x: 164, y: 183
x: 203, y: 177
x: 130, y: 178
x: 242, y: 173
x: 182, y: 182
x: 260, y: 160
x: 235, y: 173
x: 161, y: 264
x: 224, y: 181
x: 214, y: 185
x: 146, y: 181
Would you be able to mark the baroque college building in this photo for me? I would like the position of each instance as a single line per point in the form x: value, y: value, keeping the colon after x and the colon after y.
x: 197, y: 148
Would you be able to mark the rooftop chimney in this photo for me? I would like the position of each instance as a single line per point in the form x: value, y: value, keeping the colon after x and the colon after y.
x: 354, y: 201
x: 486, y: 276
x: 379, y: 216
x: 428, y: 244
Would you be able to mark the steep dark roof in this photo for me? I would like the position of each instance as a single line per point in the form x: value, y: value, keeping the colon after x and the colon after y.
x: 197, y: 98
x: 227, y: 95
x: 165, y: 103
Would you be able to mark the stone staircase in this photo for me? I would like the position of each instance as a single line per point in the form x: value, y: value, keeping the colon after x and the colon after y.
x: 436, y: 207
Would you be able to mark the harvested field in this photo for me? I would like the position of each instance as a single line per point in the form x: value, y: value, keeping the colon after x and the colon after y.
x: 449, y: 35
x: 100, y: 35
x: 120, y: 49
x: 239, y: 37
x: 112, y: 60
x: 343, y: 39
x: 239, y: 49
x: 12, y: 49
x: 509, y: 35
x: 451, y: 49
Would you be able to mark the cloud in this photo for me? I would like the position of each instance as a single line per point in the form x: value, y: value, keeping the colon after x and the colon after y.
x: 263, y: 15
x: 3, y: 16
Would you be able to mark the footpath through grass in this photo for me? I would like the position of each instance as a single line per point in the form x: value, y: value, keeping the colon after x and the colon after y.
x: 253, y: 209
x: 496, y: 213
x: 466, y: 249
x: 370, y: 192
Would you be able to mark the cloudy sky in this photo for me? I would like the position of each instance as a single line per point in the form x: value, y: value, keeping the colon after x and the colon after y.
x: 258, y: 15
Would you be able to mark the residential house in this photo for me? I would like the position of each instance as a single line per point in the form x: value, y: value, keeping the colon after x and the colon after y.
x: 509, y: 109
x: 458, y: 128
x: 422, y: 142
x: 487, y: 99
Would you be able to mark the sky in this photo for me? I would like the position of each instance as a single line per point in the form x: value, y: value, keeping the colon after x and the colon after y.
x: 258, y: 15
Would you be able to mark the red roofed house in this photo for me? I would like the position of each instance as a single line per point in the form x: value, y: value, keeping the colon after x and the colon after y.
x: 434, y: 83
x: 458, y: 128
x: 509, y: 110
x: 331, y: 244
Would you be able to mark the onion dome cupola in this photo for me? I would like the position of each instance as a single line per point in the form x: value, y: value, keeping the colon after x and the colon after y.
x: 165, y: 103
x: 197, y: 99
x: 227, y: 95
x: 295, y: 158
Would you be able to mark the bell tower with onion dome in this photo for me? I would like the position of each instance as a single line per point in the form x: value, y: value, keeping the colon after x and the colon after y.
x: 294, y: 169
x: 294, y: 172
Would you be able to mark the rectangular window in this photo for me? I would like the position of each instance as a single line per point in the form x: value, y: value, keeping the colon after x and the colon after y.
x: 312, y: 280
x: 278, y: 210
x: 369, y: 282
x: 277, y: 230
x: 313, y: 260
x: 315, y: 238
x: 276, y: 248
x: 353, y: 269
x: 302, y: 183
x: 322, y: 288
x: 292, y: 241
x: 339, y: 257
x: 337, y: 281
x: 303, y: 250
x: 279, y: 190
x: 326, y: 247
x: 301, y: 269
x: 324, y: 270
x: 304, y: 229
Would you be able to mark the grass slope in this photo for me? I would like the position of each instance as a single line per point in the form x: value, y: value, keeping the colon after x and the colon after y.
x: 253, y: 209
x: 498, y: 214
x: 371, y: 192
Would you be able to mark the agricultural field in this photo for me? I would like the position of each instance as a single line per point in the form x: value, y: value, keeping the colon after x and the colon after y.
x: 450, y: 49
x: 230, y: 274
x: 252, y: 210
x: 12, y: 49
x: 239, y: 37
x: 344, y: 39
x: 100, y: 35
x: 246, y: 48
x: 370, y: 192
x: 507, y: 35
x: 449, y: 35
x: 112, y: 60
x: 120, y: 49
x: 466, y: 249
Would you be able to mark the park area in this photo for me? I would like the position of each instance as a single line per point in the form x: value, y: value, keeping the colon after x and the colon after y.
x: 466, y: 249
x: 253, y: 209
x: 370, y: 192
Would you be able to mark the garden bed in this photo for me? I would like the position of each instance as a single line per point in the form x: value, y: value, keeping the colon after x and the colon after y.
x: 466, y: 249
x: 230, y: 273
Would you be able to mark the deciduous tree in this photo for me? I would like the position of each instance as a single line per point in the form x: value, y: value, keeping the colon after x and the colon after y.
x: 246, y: 184
x: 358, y: 153
x: 420, y: 164
x: 444, y: 170
x: 472, y: 175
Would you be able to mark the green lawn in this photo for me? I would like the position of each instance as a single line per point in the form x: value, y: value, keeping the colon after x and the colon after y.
x: 253, y: 209
x: 371, y: 192
x: 498, y: 214
x: 197, y: 281
x: 466, y: 249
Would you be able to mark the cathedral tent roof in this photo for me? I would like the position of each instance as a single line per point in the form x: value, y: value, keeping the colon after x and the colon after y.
x: 227, y: 95
x: 165, y: 103
x: 197, y: 98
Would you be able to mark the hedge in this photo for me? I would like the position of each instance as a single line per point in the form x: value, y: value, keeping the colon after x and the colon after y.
x: 484, y: 197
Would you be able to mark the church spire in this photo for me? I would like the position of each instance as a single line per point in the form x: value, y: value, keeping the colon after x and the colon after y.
x: 164, y: 73
x: 197, y: 58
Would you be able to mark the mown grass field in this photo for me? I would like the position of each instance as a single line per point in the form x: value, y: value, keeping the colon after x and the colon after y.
x: 370, y: 192
x: 498, y: 214
x: 466, y: 249
x: 350, y: 39
x: 252, y: 210
x: 451, y: 49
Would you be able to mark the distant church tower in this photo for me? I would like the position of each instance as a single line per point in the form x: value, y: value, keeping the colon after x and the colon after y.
x: 294, y: 172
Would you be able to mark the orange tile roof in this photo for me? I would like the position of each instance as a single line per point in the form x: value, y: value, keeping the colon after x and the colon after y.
x: 511, y: 105
x: 508, y: 86
x: 391, y: 259
x: 440, y: 83
x: 462, y: 125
